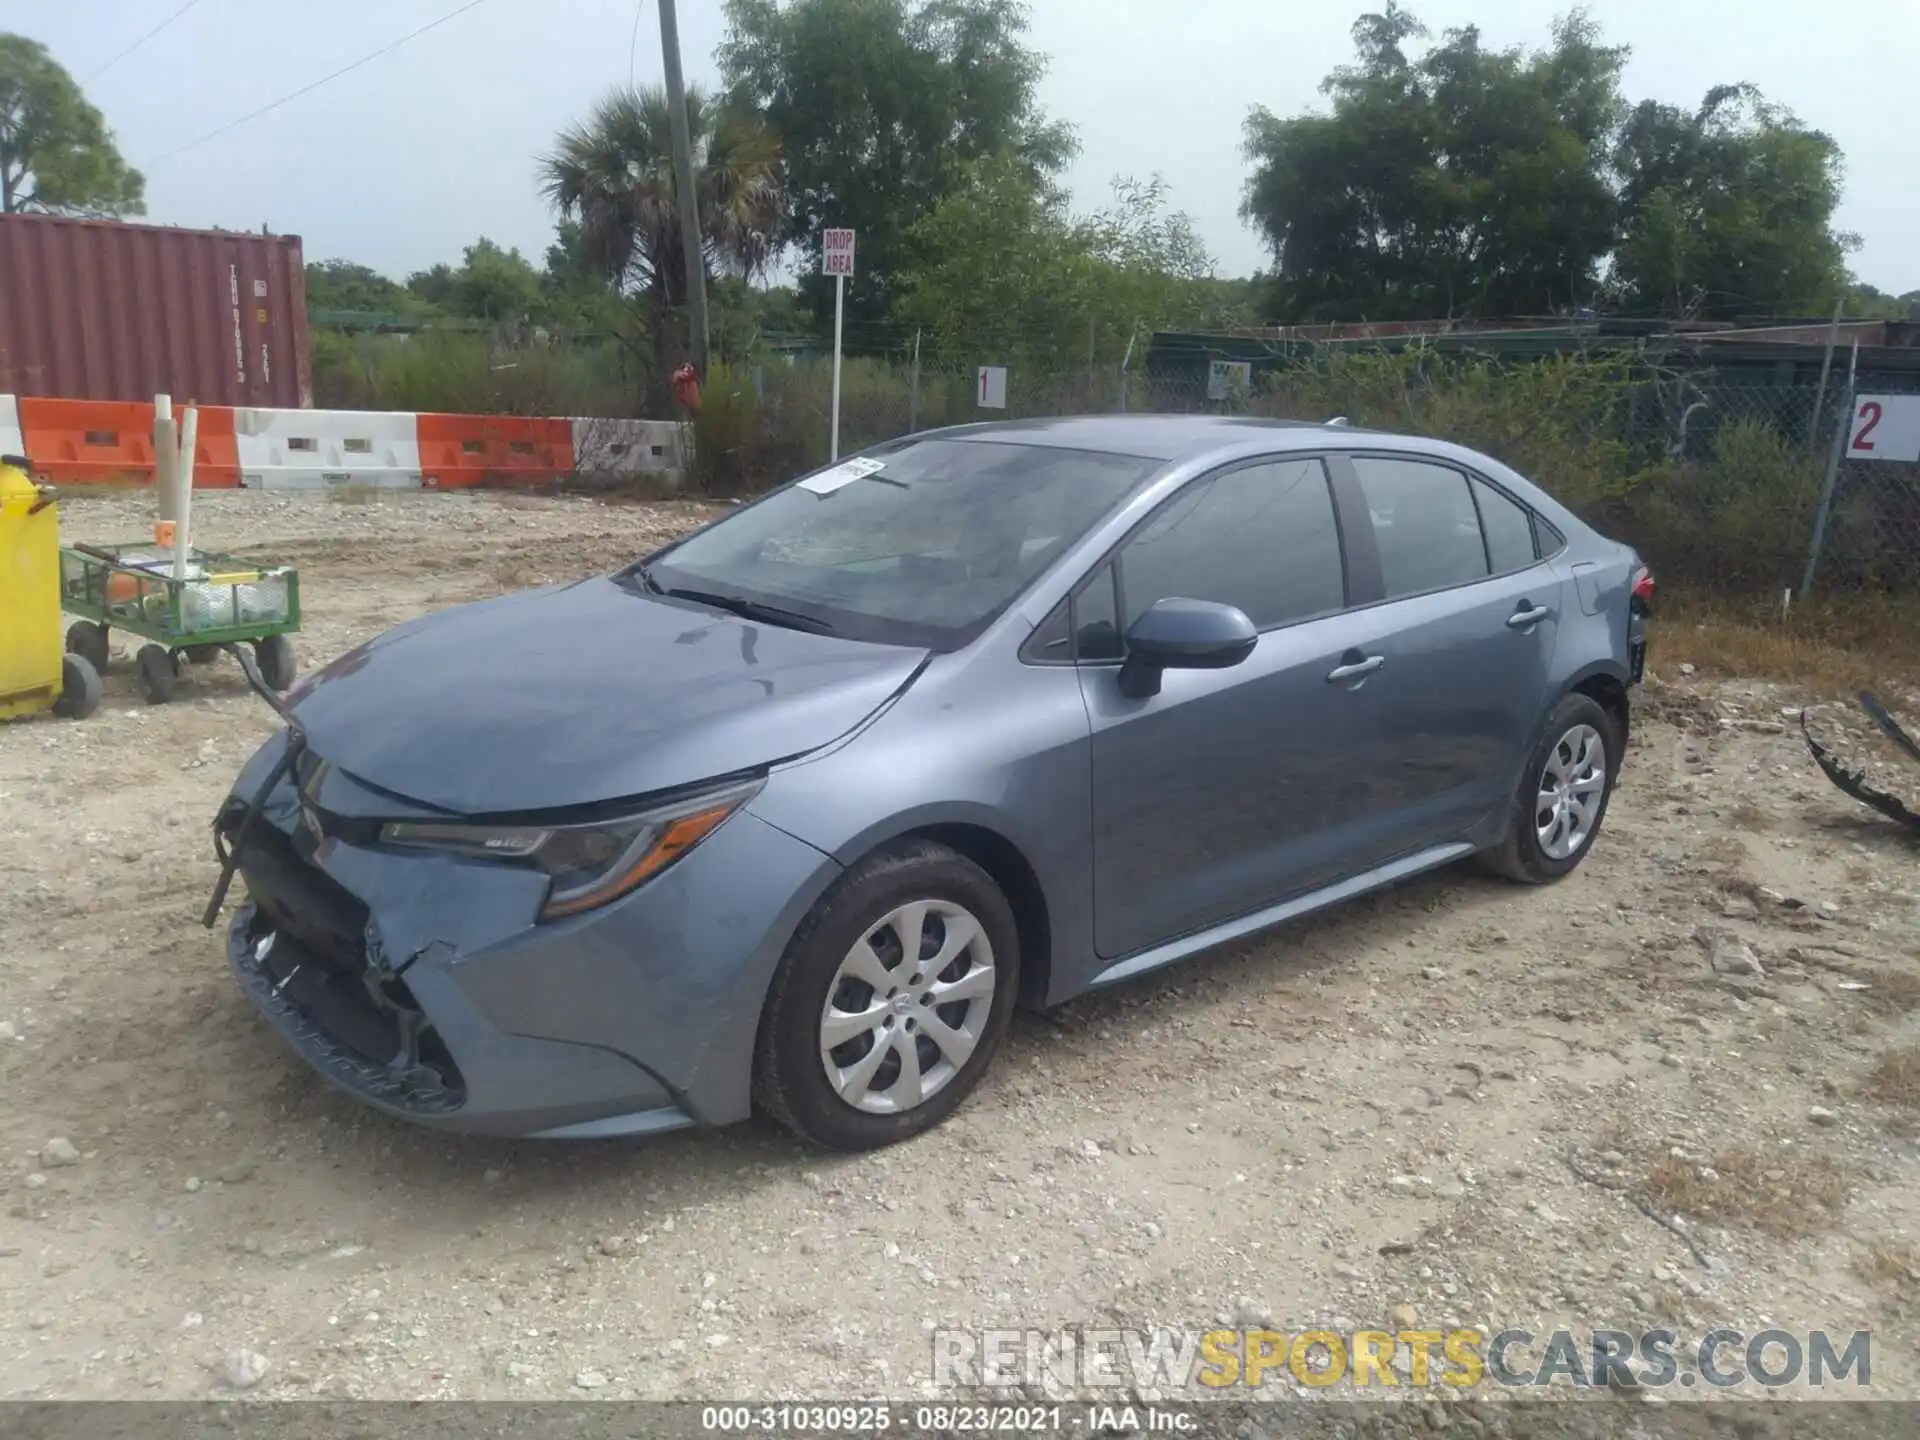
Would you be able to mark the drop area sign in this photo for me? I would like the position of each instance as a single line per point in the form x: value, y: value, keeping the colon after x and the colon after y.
x: 836, y: 259
x: 836, y: 252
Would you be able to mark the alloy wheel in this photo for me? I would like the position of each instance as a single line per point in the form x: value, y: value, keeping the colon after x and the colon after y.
x: 907, y: 1007
x: 1573, y: 783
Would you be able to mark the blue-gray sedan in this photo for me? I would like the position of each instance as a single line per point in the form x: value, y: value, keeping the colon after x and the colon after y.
x: 795, y: 811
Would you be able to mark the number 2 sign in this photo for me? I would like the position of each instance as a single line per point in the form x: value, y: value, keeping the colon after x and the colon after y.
x: 1885, y: 427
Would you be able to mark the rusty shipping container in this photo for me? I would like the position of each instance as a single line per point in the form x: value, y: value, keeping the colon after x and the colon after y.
x: 98, y: 310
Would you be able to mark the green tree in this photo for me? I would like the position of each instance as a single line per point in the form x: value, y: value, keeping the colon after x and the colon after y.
x: 613, y: 175
x: 1009, y: 272
x: 1869, y: 302
x: 882, y: 106
x: 343, y: 285
x: 490, y: 284
x: 1465, y: 181
x: 56, y: 152
x: 1729, y: 210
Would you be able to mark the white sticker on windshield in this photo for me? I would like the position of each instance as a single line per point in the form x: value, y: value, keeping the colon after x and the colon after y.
x: 845, y: 473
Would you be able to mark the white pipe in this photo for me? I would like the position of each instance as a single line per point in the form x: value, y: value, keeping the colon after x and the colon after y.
x: 166, y: 454
x: 183, y: 524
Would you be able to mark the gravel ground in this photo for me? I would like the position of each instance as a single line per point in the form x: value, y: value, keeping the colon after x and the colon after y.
x: 1436, y: 1105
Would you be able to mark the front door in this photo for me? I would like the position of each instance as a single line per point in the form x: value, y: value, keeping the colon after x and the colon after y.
x: 1231, y: 789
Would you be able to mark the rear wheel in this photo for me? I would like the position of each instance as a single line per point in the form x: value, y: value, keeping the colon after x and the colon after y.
x: 157, y: 673
x: 202, y: 654
x: 890, y: 1001
x: 1563, y: 795
x: 89, y: 641
x: 275, y: 657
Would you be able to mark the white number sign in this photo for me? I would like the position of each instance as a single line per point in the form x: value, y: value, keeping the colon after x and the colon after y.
x: 1885, y: 427
x: 991, y: 391
x: 836, y: 252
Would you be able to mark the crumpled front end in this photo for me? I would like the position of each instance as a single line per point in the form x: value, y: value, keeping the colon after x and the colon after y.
x: 427, y: 986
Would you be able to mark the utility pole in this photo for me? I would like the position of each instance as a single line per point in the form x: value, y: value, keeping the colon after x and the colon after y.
x: 689, y: 200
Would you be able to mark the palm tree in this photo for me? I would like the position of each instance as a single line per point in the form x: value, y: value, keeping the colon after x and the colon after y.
x: 614, y: 175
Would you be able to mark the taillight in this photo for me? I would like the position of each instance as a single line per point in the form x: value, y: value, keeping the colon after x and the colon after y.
x: 1642, y: 591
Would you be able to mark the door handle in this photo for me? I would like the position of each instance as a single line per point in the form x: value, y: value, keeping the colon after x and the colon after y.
x: 1520, y: 619
x: 1355, y: 670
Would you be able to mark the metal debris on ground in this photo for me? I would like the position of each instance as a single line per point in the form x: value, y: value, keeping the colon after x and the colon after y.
x: 1853, y: 779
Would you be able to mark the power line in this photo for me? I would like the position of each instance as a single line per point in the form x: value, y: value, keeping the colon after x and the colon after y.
x: 141, y: 41
x: 386, y: 49
x: 633, y: 43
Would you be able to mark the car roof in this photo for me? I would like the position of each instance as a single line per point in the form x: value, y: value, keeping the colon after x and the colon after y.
x: 1182, y: 440
x: 1163, y: 437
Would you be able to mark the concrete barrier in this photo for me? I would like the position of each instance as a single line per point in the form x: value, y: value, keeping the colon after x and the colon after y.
x: 612, y: 449
x: 12, y: 440
x: 327, y: 449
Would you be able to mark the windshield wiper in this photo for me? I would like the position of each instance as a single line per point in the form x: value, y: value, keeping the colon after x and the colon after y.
x: 747, y: 609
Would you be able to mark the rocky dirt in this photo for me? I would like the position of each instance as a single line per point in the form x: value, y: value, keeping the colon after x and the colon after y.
x: 1456, y: 1102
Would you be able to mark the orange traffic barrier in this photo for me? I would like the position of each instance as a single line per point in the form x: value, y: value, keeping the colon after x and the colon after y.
x: 101, y: 442
x: 466, y: 450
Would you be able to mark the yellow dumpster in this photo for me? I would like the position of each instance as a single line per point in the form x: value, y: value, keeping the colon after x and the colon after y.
x: 34, y: 674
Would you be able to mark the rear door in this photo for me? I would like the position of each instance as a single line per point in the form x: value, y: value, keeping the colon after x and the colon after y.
x: 1471, y: 615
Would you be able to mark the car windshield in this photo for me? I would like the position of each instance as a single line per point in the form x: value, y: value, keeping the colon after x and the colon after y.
x: 920, y: 544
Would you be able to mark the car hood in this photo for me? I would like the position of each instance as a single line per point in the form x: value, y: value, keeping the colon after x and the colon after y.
x: 581, y: 693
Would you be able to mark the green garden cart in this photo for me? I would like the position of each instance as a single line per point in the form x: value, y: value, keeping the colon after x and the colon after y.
x: 219, y: 603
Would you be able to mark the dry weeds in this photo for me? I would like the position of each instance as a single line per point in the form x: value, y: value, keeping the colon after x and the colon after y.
x: 1896, y: 1079
x: 1783, y: 1195
x: 1832, y: 646
x: 1891, y: 1267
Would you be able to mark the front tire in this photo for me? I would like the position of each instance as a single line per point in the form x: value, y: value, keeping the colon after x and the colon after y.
x: 890, y: 1001
x: 1563, y: 795
x: 80, y: 688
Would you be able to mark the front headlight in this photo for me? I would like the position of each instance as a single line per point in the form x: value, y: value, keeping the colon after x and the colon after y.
x: 591, y: 863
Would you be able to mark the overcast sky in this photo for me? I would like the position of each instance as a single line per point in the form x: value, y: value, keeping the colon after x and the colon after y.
x: 412, y: 156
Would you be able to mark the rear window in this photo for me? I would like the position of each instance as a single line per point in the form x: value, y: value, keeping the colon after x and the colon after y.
x: 1424, y: 522
x: 1508, y: 526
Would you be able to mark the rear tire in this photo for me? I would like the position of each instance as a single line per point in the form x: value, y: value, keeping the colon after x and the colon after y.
x: 202, y: 654
x: 1562, y: 800
x: 908, y: 1057
x: 157, y: 673
x: 275, y: 657
x: 88, y: 640
x: 80, y: 688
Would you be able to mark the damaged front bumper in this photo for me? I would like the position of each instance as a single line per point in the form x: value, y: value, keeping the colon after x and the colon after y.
x: 422, y: 984
x: 1852, y: 779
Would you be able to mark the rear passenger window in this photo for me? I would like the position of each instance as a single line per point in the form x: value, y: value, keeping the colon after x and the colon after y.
x: 1424, y: 522
x: 1509, y: 529
x: 1262, y: 537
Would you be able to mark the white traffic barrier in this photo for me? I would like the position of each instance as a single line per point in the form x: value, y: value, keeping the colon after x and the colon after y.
x: 631, y: 447
x: 12, y: 440
x: 327, y: 449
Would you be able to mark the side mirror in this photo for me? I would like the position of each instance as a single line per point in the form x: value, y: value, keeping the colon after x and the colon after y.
x: 1180, y: 634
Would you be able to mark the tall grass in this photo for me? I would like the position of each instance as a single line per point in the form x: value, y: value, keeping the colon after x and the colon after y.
x: 462, y: 373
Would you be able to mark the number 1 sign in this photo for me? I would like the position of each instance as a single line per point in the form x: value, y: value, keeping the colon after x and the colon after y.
x: 1885, y: 427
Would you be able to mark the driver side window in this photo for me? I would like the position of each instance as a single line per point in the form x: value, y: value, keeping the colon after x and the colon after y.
x: 1262, y: 537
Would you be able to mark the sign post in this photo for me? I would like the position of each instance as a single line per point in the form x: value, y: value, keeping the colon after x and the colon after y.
x: 836, y: 259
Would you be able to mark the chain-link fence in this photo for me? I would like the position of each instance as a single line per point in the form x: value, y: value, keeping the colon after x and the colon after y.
x: 1713, y: 472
